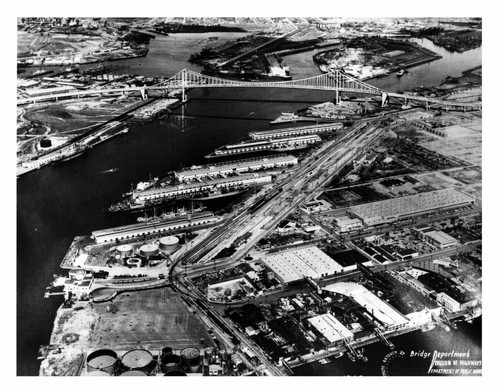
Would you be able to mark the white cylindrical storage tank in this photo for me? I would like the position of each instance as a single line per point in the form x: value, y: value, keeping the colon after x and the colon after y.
x: 124, y: 250
x: 102, y: 360
x: 148, y: 250
x: 169, y: 244
x: 138, y: 359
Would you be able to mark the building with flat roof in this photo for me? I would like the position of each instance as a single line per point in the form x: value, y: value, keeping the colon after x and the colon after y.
x: 191, y: 188
x: 391, y: 210
x: 297, y: 264
x: 346, y: 224
x: 440, y: 239
x: 139, y: 230
x: 379, y: 309
x: 294, y: 131
x: 331, y: 328
x: 268, y: 144
x: 237, y: 166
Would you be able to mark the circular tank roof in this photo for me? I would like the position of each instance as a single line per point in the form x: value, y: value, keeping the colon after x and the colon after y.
x: 149, y: 248
x: 101, y: 359
x: 124, y: 248
x: 190, y: 353
x: 169, y: 240
x: 137, y: 358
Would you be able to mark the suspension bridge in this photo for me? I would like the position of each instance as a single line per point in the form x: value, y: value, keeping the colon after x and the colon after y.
x: 336, y: 81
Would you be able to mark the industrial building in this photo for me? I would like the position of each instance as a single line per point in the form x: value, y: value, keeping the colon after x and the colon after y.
x: 237, y: 166
x: 300, y: 263
x: 391, y: 210
x: 346, y: 224
x: 435, y: 237
x: 192, y: 188
x: 295, y: 131
x: 380, y: 310
x: 330, y: 328
x: 140, y: 230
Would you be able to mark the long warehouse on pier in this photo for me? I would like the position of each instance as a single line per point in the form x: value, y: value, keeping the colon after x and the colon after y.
x: 139, y: 230
x: 191, y: 188
x: 295, y: 131
x: 237, y: 166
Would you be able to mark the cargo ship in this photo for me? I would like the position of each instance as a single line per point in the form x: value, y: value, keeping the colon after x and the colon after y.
x: 196, y: 190
x: 217, y: 194
x: 172, y: 214
x: 286, y: 117
x: 78, y: 151
x: 141, y: 186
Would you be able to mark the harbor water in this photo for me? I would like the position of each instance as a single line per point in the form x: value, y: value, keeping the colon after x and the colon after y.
x: 59, y: 202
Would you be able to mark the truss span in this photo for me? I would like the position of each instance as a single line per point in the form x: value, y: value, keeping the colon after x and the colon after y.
x: 333, y: 81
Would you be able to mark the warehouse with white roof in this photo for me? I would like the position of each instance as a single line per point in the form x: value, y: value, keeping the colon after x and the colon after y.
x: 297, y: 264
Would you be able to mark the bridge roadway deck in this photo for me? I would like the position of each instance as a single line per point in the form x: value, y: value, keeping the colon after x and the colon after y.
x: 335, y: 81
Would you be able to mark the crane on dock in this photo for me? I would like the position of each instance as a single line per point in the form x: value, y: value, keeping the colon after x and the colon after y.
x: 384, y: 339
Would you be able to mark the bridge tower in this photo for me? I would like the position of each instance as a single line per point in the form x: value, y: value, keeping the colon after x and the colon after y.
x: 183, y: 84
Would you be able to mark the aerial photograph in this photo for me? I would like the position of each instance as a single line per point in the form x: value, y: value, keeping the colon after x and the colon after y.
x: 248, y: 196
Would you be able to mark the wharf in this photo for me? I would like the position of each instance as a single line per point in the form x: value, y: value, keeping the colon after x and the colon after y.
x: 309, y: 358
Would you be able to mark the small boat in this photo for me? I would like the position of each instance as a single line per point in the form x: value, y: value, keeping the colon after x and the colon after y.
x: 324, y: 361
x: 400, y: 73
x: 110, y: 170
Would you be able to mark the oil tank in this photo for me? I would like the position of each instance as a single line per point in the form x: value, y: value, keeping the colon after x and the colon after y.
x: 102, y: 360
x: 134, y: 262
x: 175, y: 373
x: 191, y: 359
x: 171, y: 363
x: 138, y: 359
x: 208, y: 354
x: 134, y: 373
x: 148, y: 250
x: 169, y: 244
x: 124, y: 250
x: 167, y: 351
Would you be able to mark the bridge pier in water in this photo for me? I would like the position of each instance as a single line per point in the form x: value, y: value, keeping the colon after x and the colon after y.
x: 338, y: 98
